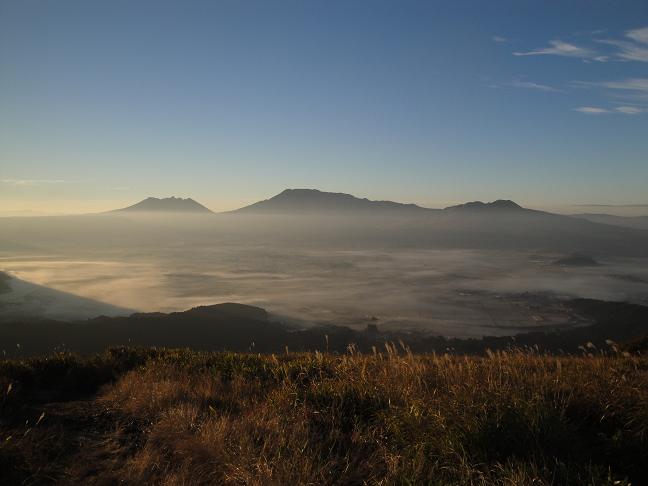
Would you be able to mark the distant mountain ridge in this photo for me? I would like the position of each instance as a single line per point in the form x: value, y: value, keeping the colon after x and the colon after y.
x: 313, y: 200
x: 498, y: 205
x: 304, y: 216
x: 167, y: 204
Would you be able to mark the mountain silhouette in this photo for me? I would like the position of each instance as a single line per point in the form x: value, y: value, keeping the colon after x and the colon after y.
x: 501, y: 224
x: 306, y: 216
x: 313, y: 200
x: 167, y: 204
x: 499, y: 205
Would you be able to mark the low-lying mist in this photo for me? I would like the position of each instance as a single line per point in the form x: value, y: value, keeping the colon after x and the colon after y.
x: 166, y: 265
x: 456, y: 274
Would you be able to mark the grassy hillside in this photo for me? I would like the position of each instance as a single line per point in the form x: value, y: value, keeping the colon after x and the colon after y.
x: 182, y: 417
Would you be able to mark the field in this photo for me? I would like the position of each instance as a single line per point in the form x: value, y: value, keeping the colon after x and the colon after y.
x: 181, y: 417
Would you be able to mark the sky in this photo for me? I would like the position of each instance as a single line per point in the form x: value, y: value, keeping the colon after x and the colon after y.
x: 103, y: 103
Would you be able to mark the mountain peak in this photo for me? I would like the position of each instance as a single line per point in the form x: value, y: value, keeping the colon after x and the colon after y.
x: 314, y: 200
x: 505, y: 203
x: 310, y: 193
x: 498, y: 205
x: 168, y: 204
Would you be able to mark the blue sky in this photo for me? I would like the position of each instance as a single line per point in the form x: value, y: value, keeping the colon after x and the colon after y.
x: 103, y: 103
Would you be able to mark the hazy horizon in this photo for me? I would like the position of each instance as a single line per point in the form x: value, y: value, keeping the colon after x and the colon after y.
x: 218, y: 206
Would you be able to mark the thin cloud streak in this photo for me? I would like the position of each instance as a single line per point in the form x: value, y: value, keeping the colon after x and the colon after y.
x: 632, y: 84
x: 536, y: 86
x: 631, y: 91
x: 592, y: 110
x: 633, y: 46
x: 34, y: 182
x: 560, y: 48
x: 614, y: 205
x: 631, y: 88
x: 622, y: 110
x: 629, y: 110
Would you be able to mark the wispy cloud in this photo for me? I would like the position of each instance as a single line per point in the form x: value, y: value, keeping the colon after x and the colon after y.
x: 588, y: 33
x: 627, y: 51
x: 615, y: 205
x: 631, y: 89
x: 33, y: 182
x: 631, y: 46
x: 630, y: 84
x: 619, y: 110
x: 525, y: 84
x: 629, y: 110
x: 535, y: 86
x: 560, y: 48
x: 627, y: 96
x: 499, y: 39
x: 638, y: 35
x: 592, y: 110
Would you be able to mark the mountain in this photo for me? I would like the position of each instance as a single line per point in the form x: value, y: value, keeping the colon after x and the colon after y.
x: 637, y: 222
x: 499, y: 205
x: 305, y: 218
x: 504, y: 225
x: 497, y: 225
x: 314, y: 201
x: 167, y: 205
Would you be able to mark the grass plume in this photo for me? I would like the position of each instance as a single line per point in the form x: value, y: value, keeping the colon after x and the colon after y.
x: 392, y: 417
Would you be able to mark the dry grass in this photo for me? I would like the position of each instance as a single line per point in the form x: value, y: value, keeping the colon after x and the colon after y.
x: 389, y: 418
